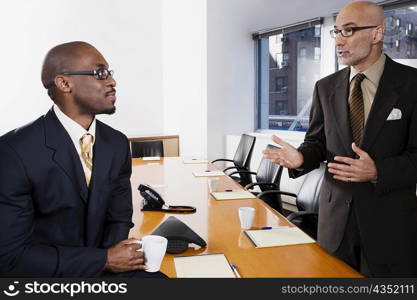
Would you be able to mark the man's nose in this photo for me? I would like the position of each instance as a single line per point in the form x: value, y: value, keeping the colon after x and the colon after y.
x: 340, y: 40
x: 111, y: 81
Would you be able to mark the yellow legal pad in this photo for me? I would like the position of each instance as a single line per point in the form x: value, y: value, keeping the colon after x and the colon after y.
x: 235, y: 195
x: 203, y: 266
x: 281, y: 236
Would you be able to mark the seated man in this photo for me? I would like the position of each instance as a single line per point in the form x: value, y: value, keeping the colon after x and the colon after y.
x: 65, y: 194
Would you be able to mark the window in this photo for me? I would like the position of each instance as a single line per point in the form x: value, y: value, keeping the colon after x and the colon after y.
x: 303, y: 52
x: 281, y: 83
x: 317, y: 52
x: 288, y: 65
x: 400, y: 35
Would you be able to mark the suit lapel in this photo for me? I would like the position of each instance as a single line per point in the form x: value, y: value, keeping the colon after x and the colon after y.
x: 101, y: 162
x: 338, y: 103
x: 386, y: 96
x: 64, y: 153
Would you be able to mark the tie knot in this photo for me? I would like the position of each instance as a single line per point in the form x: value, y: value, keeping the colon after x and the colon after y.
x: 87, y: 139
x: 359, y: 77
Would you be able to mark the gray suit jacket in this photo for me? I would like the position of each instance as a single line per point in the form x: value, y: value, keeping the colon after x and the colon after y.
x: 387, y: 210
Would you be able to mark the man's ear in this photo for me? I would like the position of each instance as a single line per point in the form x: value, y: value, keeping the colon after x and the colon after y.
x: 379, y: 34
x: 63, y: 84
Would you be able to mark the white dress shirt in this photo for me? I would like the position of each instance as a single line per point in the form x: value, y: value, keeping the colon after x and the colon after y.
x: 76, y: 131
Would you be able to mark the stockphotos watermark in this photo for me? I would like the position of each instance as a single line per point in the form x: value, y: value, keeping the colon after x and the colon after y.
x: 72, y: 289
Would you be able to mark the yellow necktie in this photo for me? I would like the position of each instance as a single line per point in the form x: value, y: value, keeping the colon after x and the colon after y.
x: 86, y: 141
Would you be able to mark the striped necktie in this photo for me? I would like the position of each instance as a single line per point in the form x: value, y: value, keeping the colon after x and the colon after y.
x: 86, y: 141
x: 356, y: 109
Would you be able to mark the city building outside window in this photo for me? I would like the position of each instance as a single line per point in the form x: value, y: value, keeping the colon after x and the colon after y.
x: 288, y: 67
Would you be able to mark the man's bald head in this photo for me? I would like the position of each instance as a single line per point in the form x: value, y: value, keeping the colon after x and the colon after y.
x: 365, y: 12
x: 363, y: 46
x: 60, y: 59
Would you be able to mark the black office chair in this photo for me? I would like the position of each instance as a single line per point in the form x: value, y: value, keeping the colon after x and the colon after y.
x: 147, y: 148
x: 268, y: 177
x: 307, y: 201
x: 241, y: 159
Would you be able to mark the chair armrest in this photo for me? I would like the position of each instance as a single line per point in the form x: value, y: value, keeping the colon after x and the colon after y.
x: 221, y: 159
x: 242, y: 172
x: 276, y: 192
x: 298, y: 214
x: 234, y: 167
x: 251, y: 185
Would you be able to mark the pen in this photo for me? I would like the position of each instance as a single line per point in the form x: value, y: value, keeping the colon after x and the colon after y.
x: 269, y: 227
x: 235, y: 270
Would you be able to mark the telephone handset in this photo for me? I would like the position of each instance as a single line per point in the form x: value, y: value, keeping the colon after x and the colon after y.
x: 153, y: 201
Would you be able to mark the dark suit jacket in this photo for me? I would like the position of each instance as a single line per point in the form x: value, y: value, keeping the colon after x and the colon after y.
x: 386, y: 211
x: 51, y: 224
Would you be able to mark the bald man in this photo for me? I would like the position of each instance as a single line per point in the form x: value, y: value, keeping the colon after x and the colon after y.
x: 65, y: 194
x: 363, y: 124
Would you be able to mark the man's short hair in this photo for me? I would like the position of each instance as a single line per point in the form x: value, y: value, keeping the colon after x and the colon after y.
x: 58, y: 60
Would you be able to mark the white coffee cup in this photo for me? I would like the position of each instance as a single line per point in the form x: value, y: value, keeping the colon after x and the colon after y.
x: 153, y: 247
x: 213, y: 184
x: 246, y: 216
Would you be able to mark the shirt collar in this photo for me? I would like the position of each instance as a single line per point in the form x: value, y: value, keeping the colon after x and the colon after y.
x: 75, y: 130
x: 373, y: 73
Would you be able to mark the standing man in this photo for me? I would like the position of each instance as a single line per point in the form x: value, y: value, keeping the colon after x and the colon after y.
x: 65, y: 194
x: 363, y: 122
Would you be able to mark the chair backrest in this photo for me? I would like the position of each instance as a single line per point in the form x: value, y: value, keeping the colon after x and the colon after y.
x: 147, y: 148
x: 244, y: 151
x: 269, y: 172
x: 308, y: 195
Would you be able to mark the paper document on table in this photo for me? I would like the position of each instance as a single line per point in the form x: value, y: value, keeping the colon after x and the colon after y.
x: 232, y: 195
x: 208, y: 174
x: 195, y: 161
x: 151, y: 158
x: 281, y: 236
x: 203, y: 266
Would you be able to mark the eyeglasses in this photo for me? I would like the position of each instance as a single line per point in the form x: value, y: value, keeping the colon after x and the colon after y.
x: 348, y: 31
x: 100, y: 74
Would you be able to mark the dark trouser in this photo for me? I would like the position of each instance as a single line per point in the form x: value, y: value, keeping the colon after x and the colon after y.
x: 134, y: 274
x: 351, y: 251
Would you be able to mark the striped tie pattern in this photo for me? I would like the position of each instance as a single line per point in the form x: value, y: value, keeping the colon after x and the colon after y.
x: 86, y: 141
x: 356, y: 109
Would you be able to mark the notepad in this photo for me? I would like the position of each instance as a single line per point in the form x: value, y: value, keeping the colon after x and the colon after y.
x: 281, y: 236
x: 209, y: 174
x: 151, y: 158
x: 203, y: 266
x: 235, y: 195
x: 195, y: 161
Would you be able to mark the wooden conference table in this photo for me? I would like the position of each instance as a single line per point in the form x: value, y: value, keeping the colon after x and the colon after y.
x: 218, y: 224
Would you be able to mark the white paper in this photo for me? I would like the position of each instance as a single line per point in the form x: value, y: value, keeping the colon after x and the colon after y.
x: 203, y: 266
x: 195, y: 161
x: 209, y: 174
x: 151, y: 158
x: 233, y: 195
x: 281, y: 236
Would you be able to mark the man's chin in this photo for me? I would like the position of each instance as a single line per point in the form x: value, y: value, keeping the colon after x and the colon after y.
x: 344, y: 61
x: 109, y: 111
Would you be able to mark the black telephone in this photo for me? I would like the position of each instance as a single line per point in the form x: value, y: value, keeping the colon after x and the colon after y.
x: 153, y: 201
